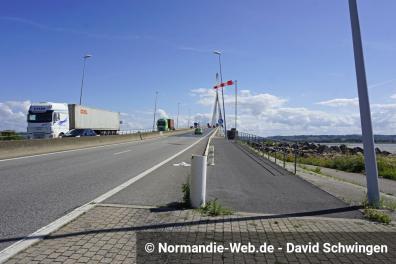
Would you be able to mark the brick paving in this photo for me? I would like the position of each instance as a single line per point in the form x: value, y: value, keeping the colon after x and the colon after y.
x: 107, y: 234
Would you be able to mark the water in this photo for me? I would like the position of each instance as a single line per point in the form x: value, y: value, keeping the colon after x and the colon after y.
x: 388, y: 147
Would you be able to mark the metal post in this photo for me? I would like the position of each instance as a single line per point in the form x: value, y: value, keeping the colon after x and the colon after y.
x: 188, y: 123
x: 364, y: 106
x: 178, y: 110
x: 236, y: 103
x: 83, y: 75
x: 284, y: 159
x: 198, y: 181
x: 155, y: 108
x: 295, y: 162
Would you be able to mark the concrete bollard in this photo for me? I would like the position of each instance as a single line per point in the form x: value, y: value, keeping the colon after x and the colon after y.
x: 211, y: 156
x: 198, y: 181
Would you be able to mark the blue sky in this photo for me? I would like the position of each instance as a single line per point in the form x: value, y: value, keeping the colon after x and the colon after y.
x: 298, y: 52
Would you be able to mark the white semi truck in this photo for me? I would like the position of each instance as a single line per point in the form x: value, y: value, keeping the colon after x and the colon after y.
x: 52, y: 120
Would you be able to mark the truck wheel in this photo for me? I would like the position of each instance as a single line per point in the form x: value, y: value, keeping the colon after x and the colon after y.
x: 61, y: 135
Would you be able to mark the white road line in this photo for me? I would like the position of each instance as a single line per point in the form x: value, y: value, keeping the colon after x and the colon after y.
x: 118, y: 153
x: 35, y: 237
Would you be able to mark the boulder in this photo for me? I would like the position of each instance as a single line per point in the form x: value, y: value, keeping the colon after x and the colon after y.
x: 295, y: 146
x: 356, y: 150
x: 378, y: 151
x: 322, y: 149
x: 343, y: 148
x: 385, y: 153
x: 335, y: 149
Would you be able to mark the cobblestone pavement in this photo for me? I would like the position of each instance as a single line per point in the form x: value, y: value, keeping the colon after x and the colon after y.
x: 107, y: 234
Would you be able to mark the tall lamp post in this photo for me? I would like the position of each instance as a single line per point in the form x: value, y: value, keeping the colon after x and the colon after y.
x: 364, y: 106
x: 178, y: 111
x: 155, y: 108
x: 236, y: 103
x: 86, y: 56
x: 222, y: 92
x: 188, y: 123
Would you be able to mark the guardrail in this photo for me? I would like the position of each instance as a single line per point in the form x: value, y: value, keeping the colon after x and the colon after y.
x: 266, y: 149
x: 134, y: 131
x: 17, y: 148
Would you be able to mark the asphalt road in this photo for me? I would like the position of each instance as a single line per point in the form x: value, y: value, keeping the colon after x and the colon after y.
x: 244, y: 183
x: 35, y: 191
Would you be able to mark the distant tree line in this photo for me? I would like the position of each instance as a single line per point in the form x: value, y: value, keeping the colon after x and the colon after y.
x: 10, y: 135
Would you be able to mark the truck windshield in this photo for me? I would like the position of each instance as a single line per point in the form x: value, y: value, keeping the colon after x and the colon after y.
x: 161, y: 122
x: 40, y: 117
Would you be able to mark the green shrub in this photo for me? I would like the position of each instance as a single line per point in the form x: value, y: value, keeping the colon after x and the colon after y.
x: 214, y: 208
x: 186, y: 195
x: 317, y: 170
x: 377, y: 216
x: 387, y: 167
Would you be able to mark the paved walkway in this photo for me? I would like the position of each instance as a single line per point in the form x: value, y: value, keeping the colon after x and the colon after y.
x: 244, y: 182
x: 107, y: 234
x: 386, y: 186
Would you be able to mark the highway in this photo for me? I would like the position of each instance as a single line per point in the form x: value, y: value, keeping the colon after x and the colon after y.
x: 35, y: 191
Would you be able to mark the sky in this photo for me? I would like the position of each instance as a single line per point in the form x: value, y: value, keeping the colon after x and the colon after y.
x: 293, y: 61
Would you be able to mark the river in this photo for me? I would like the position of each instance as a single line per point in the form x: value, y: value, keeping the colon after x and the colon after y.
x: 388, y: 147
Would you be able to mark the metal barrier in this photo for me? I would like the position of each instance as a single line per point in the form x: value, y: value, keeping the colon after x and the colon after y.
x: 279, y: 153
x: 134, y: 131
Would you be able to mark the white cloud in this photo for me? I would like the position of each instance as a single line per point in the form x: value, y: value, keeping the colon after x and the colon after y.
x: 13, y: 115
x: 340, y: 102
x: 393, y: 96
x: 267, y: 114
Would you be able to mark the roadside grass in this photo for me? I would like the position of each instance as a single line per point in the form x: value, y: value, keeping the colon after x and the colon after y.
x: 186, y: 202
x: 211, y: 208
x: 214, y: 208
x: 376, y: 214
x: 349, y: 163
x: 353, y: 163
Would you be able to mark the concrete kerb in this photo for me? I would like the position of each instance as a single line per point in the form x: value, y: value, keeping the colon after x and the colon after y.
x: 18, y: 148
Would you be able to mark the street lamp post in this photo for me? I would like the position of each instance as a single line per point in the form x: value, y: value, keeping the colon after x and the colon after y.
x: 364, y: 106
x: 86, y: 56
x: 178, y: 111
x: 155, y: 108
x: 236, y: 103
x: 188, y: 123
x: 222, y: 92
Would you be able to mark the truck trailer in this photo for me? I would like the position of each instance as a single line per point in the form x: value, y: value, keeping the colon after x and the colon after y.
x: 52, y: 120
x: 165, y: 124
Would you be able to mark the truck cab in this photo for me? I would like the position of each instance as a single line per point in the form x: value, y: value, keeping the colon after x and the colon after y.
x: 162, y: 124
x: 47, y: 120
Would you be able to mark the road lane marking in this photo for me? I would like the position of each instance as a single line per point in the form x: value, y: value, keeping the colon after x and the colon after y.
x: 35, y: 237
x: 121, y: 152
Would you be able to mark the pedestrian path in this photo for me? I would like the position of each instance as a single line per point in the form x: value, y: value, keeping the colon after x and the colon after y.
x: 243, y: 182
x: 107, y: 234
